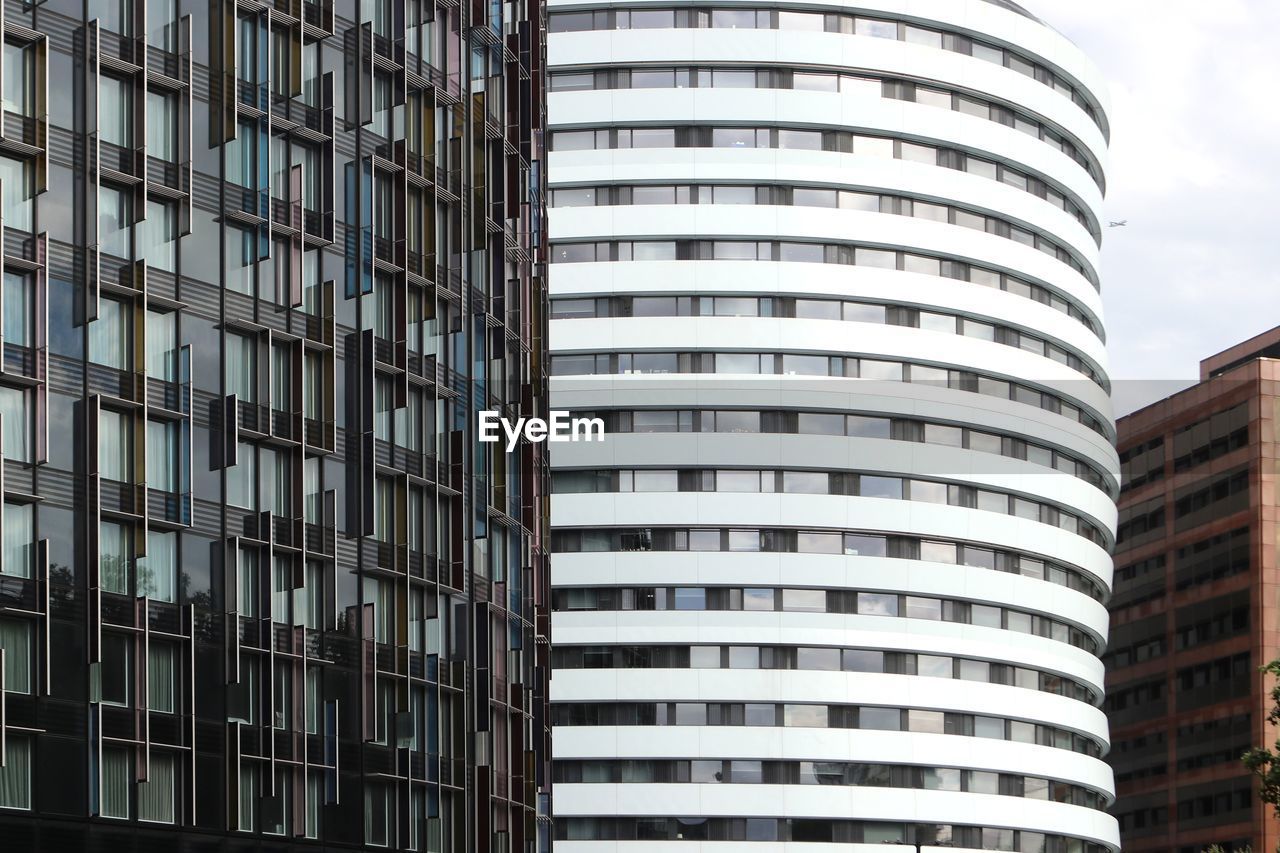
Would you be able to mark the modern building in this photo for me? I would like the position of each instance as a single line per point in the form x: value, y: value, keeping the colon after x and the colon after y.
x: 260, y: 587
x: 1194, y: 613
x: 829, y: 274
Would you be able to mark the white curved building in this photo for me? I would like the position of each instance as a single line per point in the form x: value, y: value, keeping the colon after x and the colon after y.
x: 829, y: 272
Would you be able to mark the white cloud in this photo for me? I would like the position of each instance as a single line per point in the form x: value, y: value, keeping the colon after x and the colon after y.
x: 1192, y: 169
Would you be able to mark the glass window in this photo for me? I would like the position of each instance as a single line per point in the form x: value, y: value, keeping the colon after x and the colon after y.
x: 573, y: 83
x: 923, y: 490
x: 654, y: 250
x: 733, y: 137
x: 691, y: 714
x: 819, y: 543
x: 242, y: 478
x: 827, y: 660
x: 877, y: 604
x: 805, y: 600
x: 975, y: 670
x: 157, y: 572
x: 816, y: 83
x: 162, y: 455
x: 914, y: 153
x: 19, y: 79
x: 158, y: 239
x: 15, y: 775
x: 933, y: 665
x: 820, y: 424
x: 865, y: 546
x: 242, y: 367
x: 576, y: 197
x: 115, y: 111
x: 155, y: 796
x: 690, y: 598
x: 879, y: 487
x: 15, y: 639
x: 161, y: 677
x: 648, y: 79
x: 706, y: 540
x: 876, y: 29
x: 880, y: 719
x: 115, y: 684
x: 162, y: 117
x: 704, y: 657
x: 862, y: 660
x: 653, y: 137
x: 988, y: 727
x: 733, y: 18
x: 19, y: 537
x: 17, y: 309
x: 741, y: 422
x: 573, y: 140
x: 110, y: 335
x: 17, y: 181
x: 929, y: 722
x: 739, y: 481
x: 865, y: 427
x: 117, y: 782
x: 248, y: 796
x: 938, y: 552
x: 806, y: 482
x: 162, y: 345
x: 247, y: 583
x: 818, y: 309
x: 728, y: 79
x: 113, y: 557
x: 115, y: 446
x: 281, y: 590
x: 805, y: 365
x: 923, y: 608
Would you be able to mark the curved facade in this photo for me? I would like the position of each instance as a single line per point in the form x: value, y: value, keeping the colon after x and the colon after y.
x: 829, y: 273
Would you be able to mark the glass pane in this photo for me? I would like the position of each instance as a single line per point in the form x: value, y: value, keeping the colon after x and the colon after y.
x: 17, y: 309
x: 110, y: 335
x: 155, y: 796
x: 18, y: 544
x: 116, y: 782
x: 15, y: 639
x: 15, y: 775
x: 113, y: 558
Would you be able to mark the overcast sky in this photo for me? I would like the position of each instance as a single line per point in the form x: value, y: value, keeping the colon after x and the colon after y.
x: 1194, y: 168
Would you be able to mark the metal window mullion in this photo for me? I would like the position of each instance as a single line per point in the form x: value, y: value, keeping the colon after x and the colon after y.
x: 231, y: 580
x: 93, y: 415
x: 93, y: 268
x: 42, y: 562
x: 271, y: 708
x: 191, y: 711
x: 185, y: 48
x: 297, y: 242
x: 186, y: 402
x: 233, y: 776
x: 143, y: 684
x: 4, y: 718
x: 270, y: 378
x: 41, y: 342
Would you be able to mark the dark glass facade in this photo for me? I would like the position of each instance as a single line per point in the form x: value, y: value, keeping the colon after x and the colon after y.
x: 1193, y: 615
x: 260, y: 586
